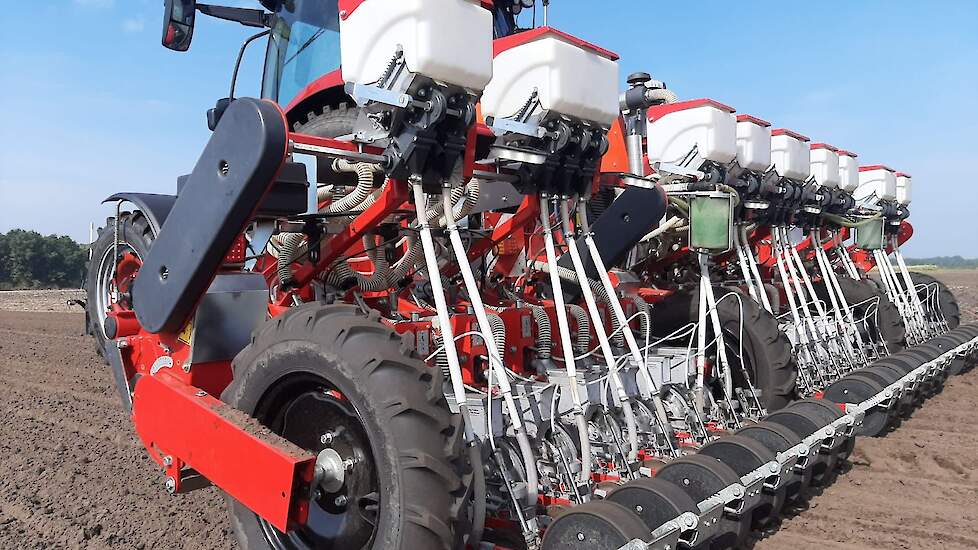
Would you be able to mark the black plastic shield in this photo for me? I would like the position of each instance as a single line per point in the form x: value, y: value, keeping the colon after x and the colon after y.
x: 234, y: 172
x: 620, y: 227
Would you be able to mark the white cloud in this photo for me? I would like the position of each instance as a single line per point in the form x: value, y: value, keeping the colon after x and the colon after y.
x: 94, y: 3
x: 133, y: 25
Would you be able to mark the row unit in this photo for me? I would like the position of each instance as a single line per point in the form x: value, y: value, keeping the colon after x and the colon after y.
x: 720, y: 136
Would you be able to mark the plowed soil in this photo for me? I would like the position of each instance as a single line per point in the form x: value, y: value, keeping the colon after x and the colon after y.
x: 74, y: 475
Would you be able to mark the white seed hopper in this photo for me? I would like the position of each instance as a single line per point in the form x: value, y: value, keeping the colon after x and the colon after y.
x: 449, y: 41
x: 676, y: 128
x: 790, y: 154
x: 825, y: 165
x: 568, y: 75
x: 876, y: 181
x: 753, y: 143
x: 848, y: 171
x: 904, y: 192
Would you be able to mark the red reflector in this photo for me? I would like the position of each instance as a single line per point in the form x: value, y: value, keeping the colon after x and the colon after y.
x: 239, y: 251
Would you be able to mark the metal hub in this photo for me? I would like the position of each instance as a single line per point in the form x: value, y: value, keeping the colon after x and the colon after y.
x: 345, y: 497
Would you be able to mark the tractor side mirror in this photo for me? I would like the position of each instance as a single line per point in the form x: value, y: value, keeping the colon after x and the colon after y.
x: 178, y: 24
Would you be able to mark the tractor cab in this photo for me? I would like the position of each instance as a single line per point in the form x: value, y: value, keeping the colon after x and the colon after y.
x: 303, y: 54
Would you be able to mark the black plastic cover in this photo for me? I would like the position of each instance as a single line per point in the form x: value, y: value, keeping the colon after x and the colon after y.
x: 620, y: 227
x: 231, y: 177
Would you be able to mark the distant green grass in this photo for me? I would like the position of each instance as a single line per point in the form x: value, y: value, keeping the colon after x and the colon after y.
x: 943, y: 262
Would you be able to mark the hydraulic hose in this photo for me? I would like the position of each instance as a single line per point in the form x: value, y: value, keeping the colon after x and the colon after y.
x: 600, y: 293
x: 544, y: 334
x: 599, y: 329
x: 360, y: 193
x: 486, y: 328
x: 379, y: 280
x: 566, y: 346
x: 292, y: 244
x: 663, y: 95
x: 583, y: 327
x: 846, y: 222
x: 498, y: 332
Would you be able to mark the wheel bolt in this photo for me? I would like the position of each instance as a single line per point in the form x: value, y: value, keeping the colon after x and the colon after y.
x: 340, y: 500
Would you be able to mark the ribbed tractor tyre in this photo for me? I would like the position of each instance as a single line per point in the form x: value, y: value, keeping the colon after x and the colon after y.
x: 767, y: 349
x: 136, y: 237
x: 329, y: 122
x: 887, y: 320
x: 320, y: 369
x: 946, y: 300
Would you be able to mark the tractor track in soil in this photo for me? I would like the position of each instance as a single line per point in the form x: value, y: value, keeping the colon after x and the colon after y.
x: 73, y: 473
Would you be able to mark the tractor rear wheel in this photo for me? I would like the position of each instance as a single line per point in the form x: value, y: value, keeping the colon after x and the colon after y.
x: 112, y: 270
x: 331, y: 378
x: 766, y: 352
x: 946, y: 301
x: 884, y: 319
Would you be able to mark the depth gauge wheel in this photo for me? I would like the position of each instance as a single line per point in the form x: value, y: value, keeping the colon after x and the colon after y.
x: 336, y: 381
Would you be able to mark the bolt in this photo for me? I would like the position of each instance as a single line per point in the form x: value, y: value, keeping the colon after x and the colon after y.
x: 167, y: 461
x: 639, y: 508
x: 686, y: 481
x: 326, y: 438
x: 580, y: 537
x: 171, y: 485
x: 340, y: 500
x: 201, y: 393
x: 349, y: 463
x: 186, y: 367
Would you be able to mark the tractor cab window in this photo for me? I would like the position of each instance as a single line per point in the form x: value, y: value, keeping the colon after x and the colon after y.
x: 504, y: 22
x: 304, y: 46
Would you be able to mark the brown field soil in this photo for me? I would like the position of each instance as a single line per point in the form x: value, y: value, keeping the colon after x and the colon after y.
x: 74, y: 475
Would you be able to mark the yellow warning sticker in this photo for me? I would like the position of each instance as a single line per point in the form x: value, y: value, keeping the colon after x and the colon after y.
x: 187, y: 333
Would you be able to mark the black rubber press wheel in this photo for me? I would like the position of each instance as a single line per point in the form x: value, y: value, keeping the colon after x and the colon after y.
x: 804, y: 423
x: 319, y: 370
x: 779, y: 439
x: 595, y: 525
x: 654, y: 500
x: 744, y: 455
x: 701, y: 477
x: 856, y: 388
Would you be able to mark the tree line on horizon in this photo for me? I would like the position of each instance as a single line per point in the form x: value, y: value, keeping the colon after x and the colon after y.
x: 950, y: 262
x: 29, y: 260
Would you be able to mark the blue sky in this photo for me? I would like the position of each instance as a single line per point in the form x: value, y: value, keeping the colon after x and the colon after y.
x: 93, y: 104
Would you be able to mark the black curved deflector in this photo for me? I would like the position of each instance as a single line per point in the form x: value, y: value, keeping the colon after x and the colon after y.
x: 234, y: 172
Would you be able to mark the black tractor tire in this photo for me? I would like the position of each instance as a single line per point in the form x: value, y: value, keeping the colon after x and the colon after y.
x: 416, y: 443
x: 331, y: 122
x: 773, y: 368
x: 887, y: 321
x: 945, y: 298
x: 136, y: 236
